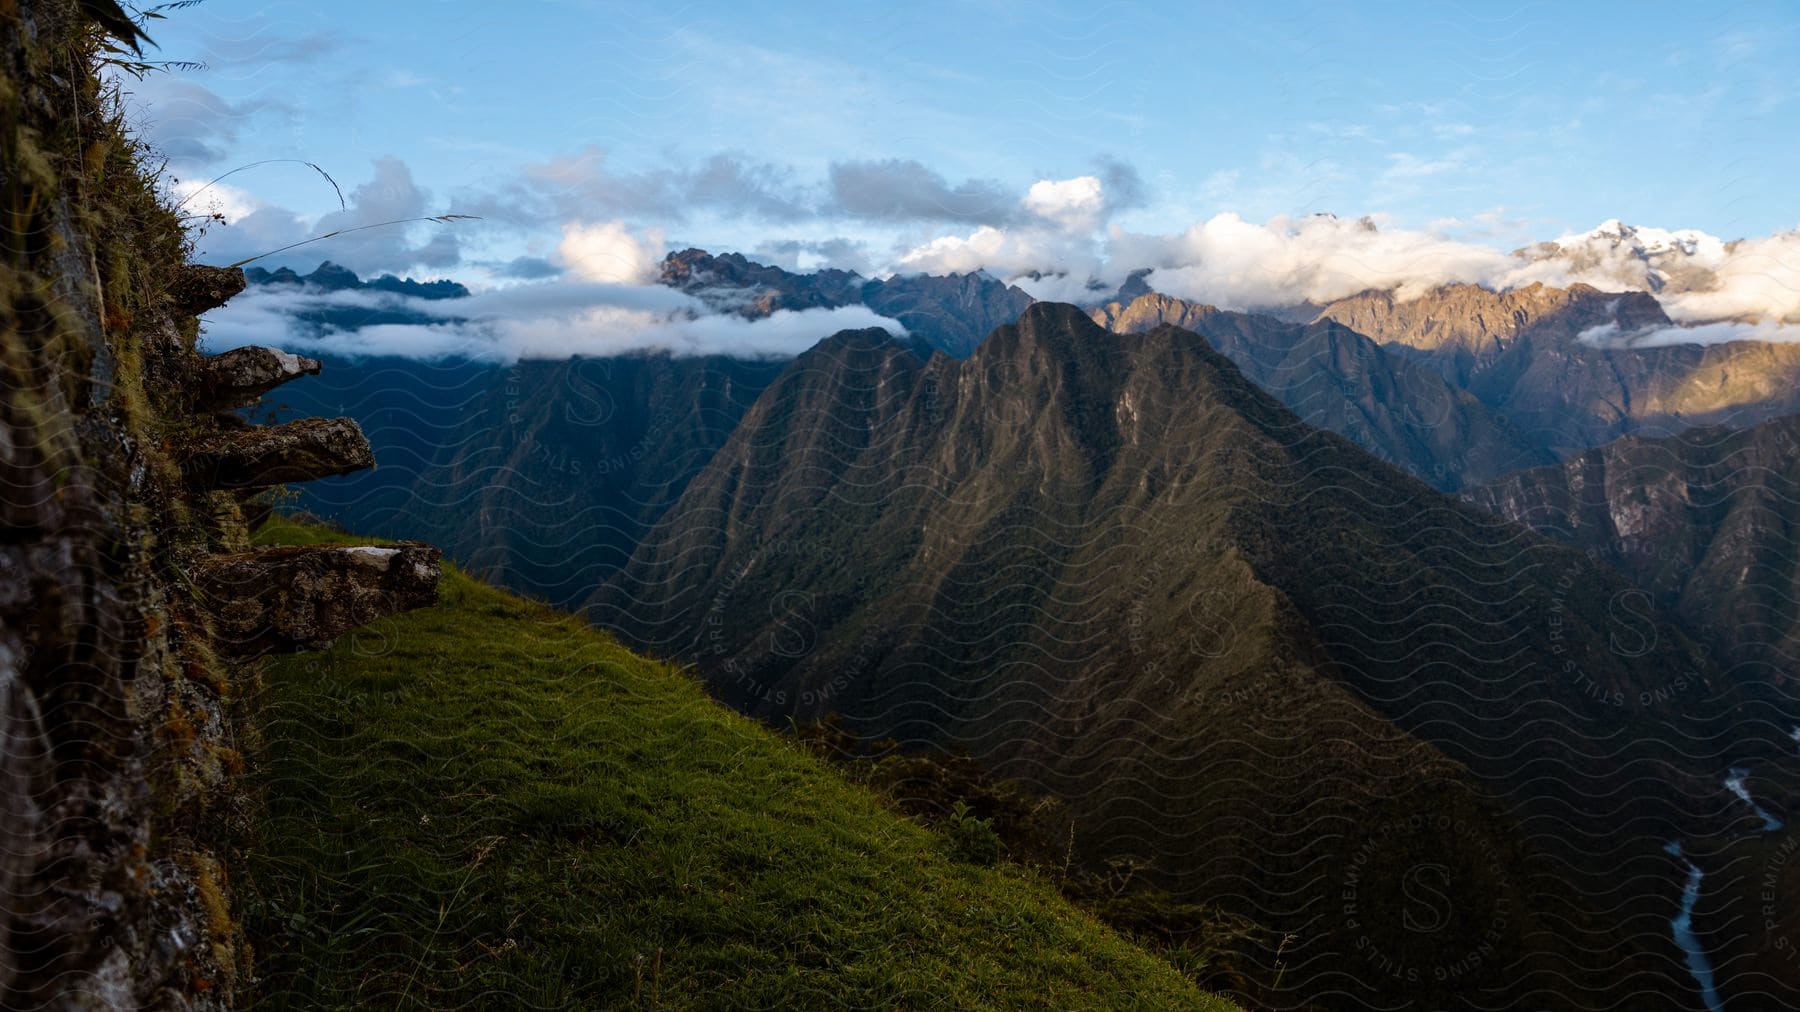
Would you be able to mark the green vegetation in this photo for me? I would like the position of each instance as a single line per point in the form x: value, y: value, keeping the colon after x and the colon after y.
x: 988, y: 819
x: 488, y: 803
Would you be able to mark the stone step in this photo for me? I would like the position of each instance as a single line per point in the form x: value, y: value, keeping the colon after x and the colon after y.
x: 262, y: 455
x: 197, y: 288
x: 238, y: 378
x: 282, y: 600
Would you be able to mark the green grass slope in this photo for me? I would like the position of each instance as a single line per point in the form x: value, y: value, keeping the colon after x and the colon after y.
x: 490, y: 804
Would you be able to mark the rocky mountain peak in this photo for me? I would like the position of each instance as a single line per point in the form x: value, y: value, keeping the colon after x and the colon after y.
x: 1479, y: 322
x: 1148, y: 309
x: 333, y: 277
x: 1052, y: 331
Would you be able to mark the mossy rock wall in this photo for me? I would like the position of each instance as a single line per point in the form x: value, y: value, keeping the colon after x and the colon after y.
x: 116, y: 750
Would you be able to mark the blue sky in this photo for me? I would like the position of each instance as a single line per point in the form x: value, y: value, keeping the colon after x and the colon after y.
x: 855, y: 135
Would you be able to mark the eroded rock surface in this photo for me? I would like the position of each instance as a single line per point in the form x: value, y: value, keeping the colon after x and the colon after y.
x: 259, y: 456
x: 118, y: 707
x: 196, y: 288
x: 239, y: 377
x: 279, y: 600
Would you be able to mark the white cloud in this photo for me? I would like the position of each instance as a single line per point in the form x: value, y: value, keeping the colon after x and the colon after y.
x: 547, y: 320
x: 1238, y: 264
x: 196, y: 196
x: 189, y: 123
x: 1757, y: 279
x: 1055, y: 237
x: 610, y: 253
x: 1698, y: 277
x: 1609, y: 335
x: 1009, y: 253
x: 388, y: 195
x: 1072, y: 203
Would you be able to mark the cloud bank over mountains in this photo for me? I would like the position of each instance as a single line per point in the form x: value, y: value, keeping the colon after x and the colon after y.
x: 590, y: 223
x: 1699, y: 278
x: 545, y: 320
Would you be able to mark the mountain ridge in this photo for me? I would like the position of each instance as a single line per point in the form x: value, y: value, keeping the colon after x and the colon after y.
x: 1075, y: 552
x: 1525, y: 354
x: 1338, y: 379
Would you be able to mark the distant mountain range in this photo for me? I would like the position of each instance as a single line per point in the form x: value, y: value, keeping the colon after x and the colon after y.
x: 948, y: 313
x: 1459, y: 387
x: 1398, y: 408
x: 332, y: 277
x: 1523, y: 353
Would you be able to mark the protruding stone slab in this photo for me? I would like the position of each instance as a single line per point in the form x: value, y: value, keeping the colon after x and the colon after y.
x: 198, y: 288
x: 239, y: 377
x: 262, y: 455
x: 281, y: 600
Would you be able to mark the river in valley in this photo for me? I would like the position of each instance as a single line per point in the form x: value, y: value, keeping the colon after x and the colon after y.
x: 1682, y: 924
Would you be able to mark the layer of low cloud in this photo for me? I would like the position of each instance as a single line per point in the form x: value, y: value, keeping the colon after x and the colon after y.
x: 583, y: 195
x: 548, y: 320
x: 1715, y: 290
x: 1610, y: 335
x: 585, y: 184
x: 894, y: 191
x: 192, y: 125
x: 905, y: 191
x: 811, y: 254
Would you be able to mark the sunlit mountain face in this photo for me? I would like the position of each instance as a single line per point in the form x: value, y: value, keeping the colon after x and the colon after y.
x: 991, y: 506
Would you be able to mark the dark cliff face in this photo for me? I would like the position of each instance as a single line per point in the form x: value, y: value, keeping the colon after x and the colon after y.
x: 131, y: 600
x: 1705, y: 522
x: 1707, y: 526
x: 1400, y: 410
x: 1113, y: 566
x: 948, y: 313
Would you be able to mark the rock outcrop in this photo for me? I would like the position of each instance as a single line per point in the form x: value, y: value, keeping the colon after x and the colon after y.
x: 279, y: 600
x: 118, y: 702
x: 238, y: 378
x: 260, y: 456
x: 197, y: 288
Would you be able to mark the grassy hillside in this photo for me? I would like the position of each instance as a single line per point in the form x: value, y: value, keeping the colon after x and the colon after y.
x: 487, y: 803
